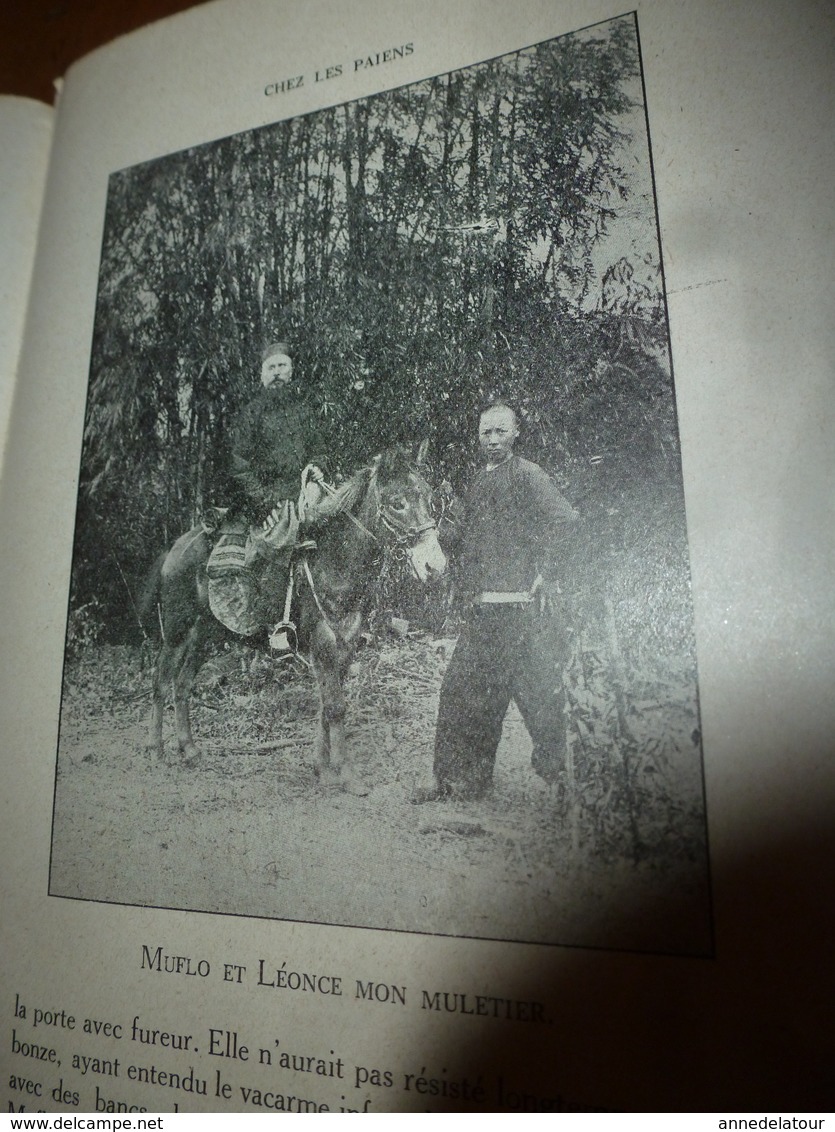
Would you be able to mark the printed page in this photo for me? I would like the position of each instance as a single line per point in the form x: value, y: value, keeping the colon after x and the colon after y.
x: 511, y: 793
x: 25, y: 135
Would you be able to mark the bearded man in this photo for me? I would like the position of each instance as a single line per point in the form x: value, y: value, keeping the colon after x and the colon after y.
x: 274, y: 437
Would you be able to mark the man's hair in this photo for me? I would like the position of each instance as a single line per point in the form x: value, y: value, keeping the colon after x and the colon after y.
x: 275, y: 348
x: 498, y: 403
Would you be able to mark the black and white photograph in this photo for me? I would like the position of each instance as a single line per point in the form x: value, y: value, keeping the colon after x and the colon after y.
x: 380, y: 610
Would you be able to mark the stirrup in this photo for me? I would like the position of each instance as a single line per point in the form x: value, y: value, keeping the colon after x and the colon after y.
x: 280, y: 639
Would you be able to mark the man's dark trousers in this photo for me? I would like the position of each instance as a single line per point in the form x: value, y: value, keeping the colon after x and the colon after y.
x: 504, y: 653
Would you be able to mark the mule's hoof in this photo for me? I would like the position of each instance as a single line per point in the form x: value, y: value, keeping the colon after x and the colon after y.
x: 328, y: 776
x: 353, y: 786
x: 191, y: 755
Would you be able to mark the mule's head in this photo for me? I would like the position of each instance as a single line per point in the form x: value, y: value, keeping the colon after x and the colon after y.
x: 406, y: 512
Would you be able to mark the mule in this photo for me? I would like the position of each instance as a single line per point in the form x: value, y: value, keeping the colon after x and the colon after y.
x: 385, y: 506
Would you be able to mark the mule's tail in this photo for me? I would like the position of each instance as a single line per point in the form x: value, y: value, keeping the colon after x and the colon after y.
x: 149, y: 598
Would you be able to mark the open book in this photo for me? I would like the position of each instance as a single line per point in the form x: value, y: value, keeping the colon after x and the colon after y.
x: 565, y: 844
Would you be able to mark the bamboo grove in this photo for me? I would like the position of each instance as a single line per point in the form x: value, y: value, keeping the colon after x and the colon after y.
x: 422, y: 249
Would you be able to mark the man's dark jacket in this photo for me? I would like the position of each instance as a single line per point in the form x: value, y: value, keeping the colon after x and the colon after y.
x: 273, y: 438
x: 513, y: 523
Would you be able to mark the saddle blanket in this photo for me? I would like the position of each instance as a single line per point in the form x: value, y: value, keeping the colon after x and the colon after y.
x: 248, y: 571
x: 235, y: 600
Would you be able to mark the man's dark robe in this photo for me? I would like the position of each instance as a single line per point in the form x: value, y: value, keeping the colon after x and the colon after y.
x: 514, y: 522
x: 273, y: 438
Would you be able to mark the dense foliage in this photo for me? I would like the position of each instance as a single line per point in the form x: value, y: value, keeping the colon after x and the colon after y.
x: 422, y: 249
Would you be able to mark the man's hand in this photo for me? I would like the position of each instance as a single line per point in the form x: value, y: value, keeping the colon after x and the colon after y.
x: 271, y: 520
x: 548, y: 598
x: 312, y: 492
x: 544, y: 603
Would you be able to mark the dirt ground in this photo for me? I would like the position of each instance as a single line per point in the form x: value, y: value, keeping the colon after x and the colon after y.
x: 249, y: 830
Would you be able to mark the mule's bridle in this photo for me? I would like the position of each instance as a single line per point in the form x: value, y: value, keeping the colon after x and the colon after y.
x: 405, y: 537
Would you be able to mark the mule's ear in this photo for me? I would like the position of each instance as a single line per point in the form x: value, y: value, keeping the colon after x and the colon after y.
x: 420, y: 459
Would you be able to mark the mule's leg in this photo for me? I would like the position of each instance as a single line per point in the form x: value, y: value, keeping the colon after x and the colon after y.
x: 164, y: 670
x: 190, y: 656
x: 322, y: 748
x: 349, y: 630
x: 323, y: 741
x: 183, y: 605
x: 332, y: 748
x: 155, y: 743
x: 329, y: 741
x: 335, y: 657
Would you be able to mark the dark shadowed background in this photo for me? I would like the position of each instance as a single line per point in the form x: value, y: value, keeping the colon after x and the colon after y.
x: 39, y: 39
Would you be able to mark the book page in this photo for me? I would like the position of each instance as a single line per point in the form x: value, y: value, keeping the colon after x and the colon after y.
x: 616, y: 231
x: 25, y: 134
